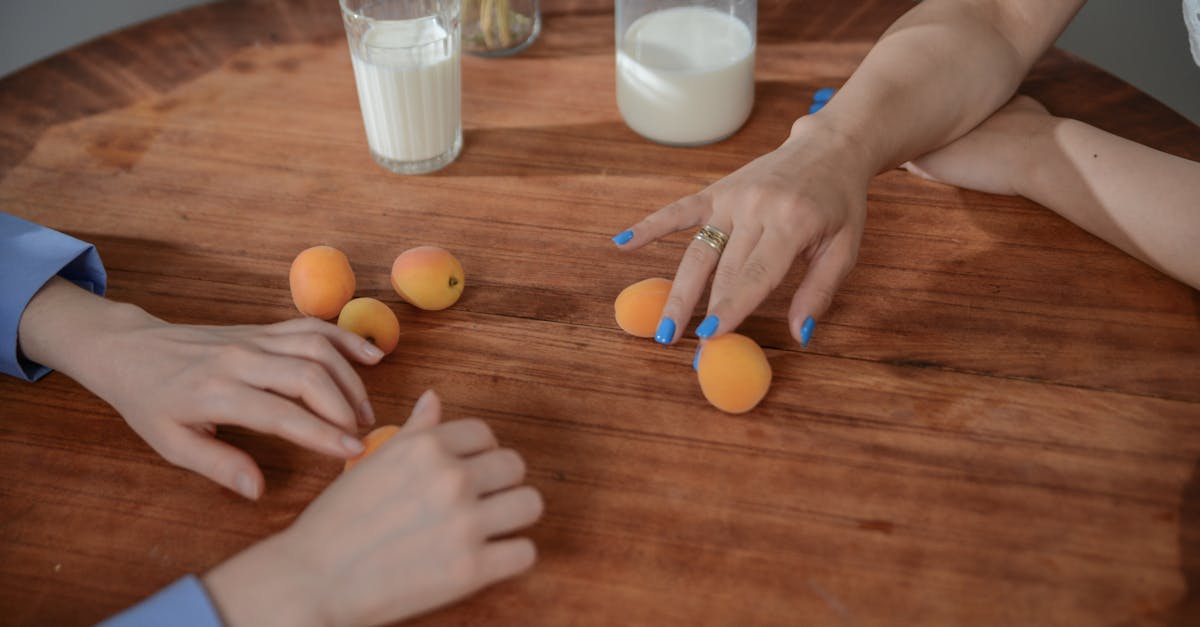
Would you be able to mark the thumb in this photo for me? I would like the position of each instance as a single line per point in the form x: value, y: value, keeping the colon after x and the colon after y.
x: 426, y: 414
x: 205, y: 455
x: 824, y: 276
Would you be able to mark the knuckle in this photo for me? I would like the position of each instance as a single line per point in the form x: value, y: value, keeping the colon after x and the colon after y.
x: 235, y: 353
x: 756, y: 272
x: 311, y: 375
x: 725, y: 275
x: 675, y: 305
x: 452, y: 484
x: 425, y: 448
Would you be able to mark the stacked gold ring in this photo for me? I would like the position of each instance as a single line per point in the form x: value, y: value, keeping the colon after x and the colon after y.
x: 714, y: 237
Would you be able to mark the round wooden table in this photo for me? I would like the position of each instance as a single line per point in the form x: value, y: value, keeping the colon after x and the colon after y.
x: 998, y: 423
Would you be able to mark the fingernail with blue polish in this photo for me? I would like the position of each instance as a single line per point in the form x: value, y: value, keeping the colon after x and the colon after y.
x: 817, y: 106
x: 666, y: 331
x: 696, y: 359
x: 806, y: 331
x: 823, y: 95
x: 708, y: 327
x: 622, y: 238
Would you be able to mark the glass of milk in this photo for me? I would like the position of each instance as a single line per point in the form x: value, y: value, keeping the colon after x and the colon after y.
x: 685, y: 68
x: 406, y: 57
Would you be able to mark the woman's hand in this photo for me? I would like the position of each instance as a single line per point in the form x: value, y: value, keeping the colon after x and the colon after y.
x: 174, y: 384
x: 806, y: 198
x: 409, y: 529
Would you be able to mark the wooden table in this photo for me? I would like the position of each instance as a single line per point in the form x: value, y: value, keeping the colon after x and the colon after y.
x: 998, y: 422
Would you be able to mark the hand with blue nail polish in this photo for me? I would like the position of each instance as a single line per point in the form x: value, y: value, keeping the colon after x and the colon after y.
x: 802, y: 200
x: 940, y: 70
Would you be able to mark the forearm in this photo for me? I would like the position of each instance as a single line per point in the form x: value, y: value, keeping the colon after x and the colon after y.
x: 938, y: 72
x: 1139, y: 199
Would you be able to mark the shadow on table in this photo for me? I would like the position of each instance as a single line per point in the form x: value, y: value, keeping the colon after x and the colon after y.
x: 612, y: 148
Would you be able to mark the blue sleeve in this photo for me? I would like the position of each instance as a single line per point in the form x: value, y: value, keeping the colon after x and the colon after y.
x: 181, y: 604
x: 31, y: 255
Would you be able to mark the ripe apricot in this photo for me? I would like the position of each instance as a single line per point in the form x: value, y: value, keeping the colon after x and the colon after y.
x: 734, y: 373
x: 428, y: 277
x: 321, y: 281
x: 640, y: 306
x: 372, y: 441
x: 372, y: 320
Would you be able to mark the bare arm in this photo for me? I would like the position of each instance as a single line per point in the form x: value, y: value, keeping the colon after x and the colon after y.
x: 934, y: 75
x: 1139, y: 199
x: 939, y: 71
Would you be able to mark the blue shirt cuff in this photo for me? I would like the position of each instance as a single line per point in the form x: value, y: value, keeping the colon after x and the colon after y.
x: 31, y: 255
x: 184, y: 603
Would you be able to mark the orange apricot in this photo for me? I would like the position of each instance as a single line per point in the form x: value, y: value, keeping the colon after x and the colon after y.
x: 372, y: 441
x: 640, y: 306
x: 734, y: 373
x: 322, y: 281
x: 428, y: 277
x: 371, y: 320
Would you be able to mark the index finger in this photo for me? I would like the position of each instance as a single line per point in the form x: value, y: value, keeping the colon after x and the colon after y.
x: 682, y: 214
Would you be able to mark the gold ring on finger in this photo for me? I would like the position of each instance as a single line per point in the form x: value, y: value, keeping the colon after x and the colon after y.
x: 714, y: 237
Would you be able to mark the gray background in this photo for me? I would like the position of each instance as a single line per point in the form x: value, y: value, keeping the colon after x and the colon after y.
x: 1142, y: 41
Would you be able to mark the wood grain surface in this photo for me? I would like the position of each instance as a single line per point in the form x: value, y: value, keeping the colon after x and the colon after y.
x: 998, y: 423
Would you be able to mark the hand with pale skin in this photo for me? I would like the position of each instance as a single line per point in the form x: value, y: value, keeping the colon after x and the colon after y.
x: 174, y: 384
x: 937, y: 72
x: 791, y: 202
x: 420, y: 523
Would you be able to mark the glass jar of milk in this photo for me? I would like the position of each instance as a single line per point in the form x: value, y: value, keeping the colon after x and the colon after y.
x: 406, y: 58
x: 685, y: 68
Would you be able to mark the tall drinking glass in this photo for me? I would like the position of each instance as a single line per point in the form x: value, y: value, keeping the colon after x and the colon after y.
x: 685, y: 68
x: 407, y: 65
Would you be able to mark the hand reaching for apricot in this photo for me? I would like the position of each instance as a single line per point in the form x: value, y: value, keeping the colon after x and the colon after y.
x: 807, y: 197
x: 174, y: 384
x: 409, y: 529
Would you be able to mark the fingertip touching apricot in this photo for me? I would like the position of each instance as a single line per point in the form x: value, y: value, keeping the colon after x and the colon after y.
x: 321, y: 281
x: 734, y: 373
x: 372, y: 320
x: 639, y: 306
x: 371, y: 442
x: 428, y: 277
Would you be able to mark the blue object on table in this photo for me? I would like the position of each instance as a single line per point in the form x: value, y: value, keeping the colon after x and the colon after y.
x: 823, y: 95
x: 816, y: 106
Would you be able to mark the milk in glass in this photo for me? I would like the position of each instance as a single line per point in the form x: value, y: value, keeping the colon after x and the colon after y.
x: 409, y: 90
x: 685, y: 75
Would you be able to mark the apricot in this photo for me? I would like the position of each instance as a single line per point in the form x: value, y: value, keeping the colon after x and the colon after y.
x: 428, y: 277
x: 640, y: 306
x: 372, y: 441
x: 321, y: 281
x: 373, y: 321
x: 734, y: 373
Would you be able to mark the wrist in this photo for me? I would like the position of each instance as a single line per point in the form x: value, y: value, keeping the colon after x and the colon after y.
x: 262, y: 587
x: 63, y: 325
x: 825, y: 135
x: 1032, y: 164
